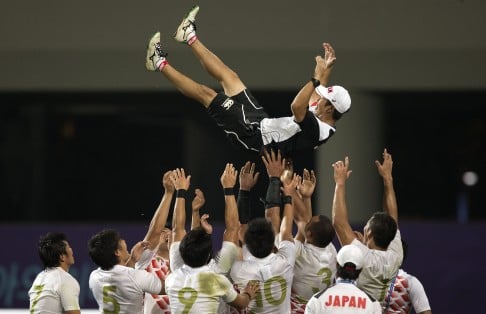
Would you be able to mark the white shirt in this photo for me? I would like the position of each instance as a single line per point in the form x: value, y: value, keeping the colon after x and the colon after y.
x: 408, y: 292
x: 54, y: 291
x: 201, y: 298
x: 121, y: 289
x: 380, y: 267
x: 281, y: 129
x: 275, y: 274
x: 314, y: 270
x: 344, y: 297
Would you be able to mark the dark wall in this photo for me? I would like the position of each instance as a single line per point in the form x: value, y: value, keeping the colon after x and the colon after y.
x: 101, y: 156
x: 435, y: 138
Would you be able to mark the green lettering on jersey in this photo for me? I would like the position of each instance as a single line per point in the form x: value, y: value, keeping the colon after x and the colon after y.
x: 326, y: 274
x: 267, y: 295
x: 108, y: 299
x: 38, y: 289
x: 189, y: 300
x: 384, y: 289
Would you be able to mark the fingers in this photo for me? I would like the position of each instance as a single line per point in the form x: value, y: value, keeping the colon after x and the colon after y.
x: 205, y: 217
x: 256, y: 176
x: 252, y: 168
x: 264, y: 160
x: 305, y: 174
x: 313, y: 176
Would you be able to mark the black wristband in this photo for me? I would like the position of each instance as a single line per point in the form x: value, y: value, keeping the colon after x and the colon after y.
x: 244, y: 193
x: 273, y: 197
x: 243, y: 202
x: 287, y: 199
x: 181, y: 193
x: 315, y: 82
x: 229, y: 191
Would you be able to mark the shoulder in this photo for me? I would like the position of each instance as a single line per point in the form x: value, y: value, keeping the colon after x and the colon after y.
x: 320, y: 293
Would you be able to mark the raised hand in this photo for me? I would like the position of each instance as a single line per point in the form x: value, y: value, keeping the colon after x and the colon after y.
x: 289, y: 186
x: 307, y: 186
x: 329, y: 55
x: 341, y: 171
x: 324, y: 64
x: 198, y: 201
x: 274, y: 163
x: 179, y: 179
x: 248, y: 177
x: 205, y: 224
x: 228, y: 178
x: 385, y: 168
x: 167, y: 182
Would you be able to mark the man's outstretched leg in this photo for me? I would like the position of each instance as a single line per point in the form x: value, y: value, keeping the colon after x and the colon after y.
x: 156, y: 61
x: 186, y: 33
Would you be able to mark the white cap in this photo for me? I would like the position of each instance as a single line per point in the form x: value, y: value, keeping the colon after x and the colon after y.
x: 337, y: 95
x: 350, y: 254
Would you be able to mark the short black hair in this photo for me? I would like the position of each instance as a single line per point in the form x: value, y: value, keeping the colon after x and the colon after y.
x: 196, y: 248
x: 50, y: 248
x: 102, y: 247
x: 383, y: 229
x: 348, y: 271
x: 322, y: 231
x: 259, y: 237
x: 336, y: 115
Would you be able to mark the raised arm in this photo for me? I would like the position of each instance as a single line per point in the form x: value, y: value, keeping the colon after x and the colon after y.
x: 197, y: 204
x: 322, y: 73
x: 275, y: 166
x: 248, y: 179
x: 181, y: 184
x: 303, y: 203
x: 389, y: 199
x: 288, y: 189
x: 306, y: 188
x: 339, y: 210
x: 157, y: 224
x: 232, y: 222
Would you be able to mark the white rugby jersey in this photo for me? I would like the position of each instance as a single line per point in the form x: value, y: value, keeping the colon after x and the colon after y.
x: 344, y: 297
x: 121, y: 289
x: 198, y: 290
x: 380, y: 267
x: 407, y: 292
x: 275, y: 274
x: 314, y: 270
x: 54, y: 291
x: 217, y: 270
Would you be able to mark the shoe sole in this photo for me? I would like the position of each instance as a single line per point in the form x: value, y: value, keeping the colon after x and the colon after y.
x: 183, y: 22
x: 148, y: 62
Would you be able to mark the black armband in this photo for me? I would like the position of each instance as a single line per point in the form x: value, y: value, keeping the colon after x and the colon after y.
x: 244, y: 206
x: 229, y: 191
x: 315, y: 82
x: 273, y: 198
x: 287, y: 199
x: 181, y: 193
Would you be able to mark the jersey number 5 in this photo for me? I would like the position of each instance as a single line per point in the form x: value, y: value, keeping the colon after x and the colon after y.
x: 108, y: 299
